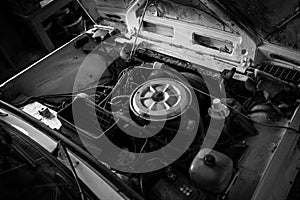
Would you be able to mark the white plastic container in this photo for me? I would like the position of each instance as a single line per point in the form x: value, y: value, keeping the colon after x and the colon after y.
x: 211, y: 170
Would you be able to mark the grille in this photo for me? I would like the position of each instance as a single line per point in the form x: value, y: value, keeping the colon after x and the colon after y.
x: 149, y: 55
x: 283, y: 73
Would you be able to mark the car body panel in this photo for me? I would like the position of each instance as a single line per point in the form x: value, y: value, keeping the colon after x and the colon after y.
x: 269, y: 163
x: 102, y: 188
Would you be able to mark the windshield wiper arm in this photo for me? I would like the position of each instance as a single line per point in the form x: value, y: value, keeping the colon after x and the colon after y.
x: 73, y: 171
x: 3, y: 114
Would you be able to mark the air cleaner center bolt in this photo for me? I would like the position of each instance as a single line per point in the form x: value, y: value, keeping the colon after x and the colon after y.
x: 158, y: 96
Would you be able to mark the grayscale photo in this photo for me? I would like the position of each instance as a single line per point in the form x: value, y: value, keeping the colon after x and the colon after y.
x: 150, y: 100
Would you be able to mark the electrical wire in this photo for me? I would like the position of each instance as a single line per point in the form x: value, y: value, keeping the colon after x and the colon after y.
x: 86, y: 12
x: 126, y: 70
x: 77, y: 92
x: 62, y: 95
x: 265, y: 124
x: 237, y: 111
x: 139, y: 29
x: 120, y: 78
x: 200, y: 91
x: 245, y: 116
x: 142, y: 149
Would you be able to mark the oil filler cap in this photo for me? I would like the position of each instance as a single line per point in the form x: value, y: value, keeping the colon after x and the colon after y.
x: 218, y: 110
x: 209, y: 160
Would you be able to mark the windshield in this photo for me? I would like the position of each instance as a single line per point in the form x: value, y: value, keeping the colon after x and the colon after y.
x: 27, y: 174
x: 266, y: 17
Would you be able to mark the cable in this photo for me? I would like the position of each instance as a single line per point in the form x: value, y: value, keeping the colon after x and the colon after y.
x: 126, y: 70
x: 142, y: 149
x: 200, y: 91
x: 139, y: 29
x: 120, y: 78
x: 243, y: 115
x: 61, y: 95
x: 74, y: 172
x: 264, y: 124
x: 76, y: 92
x: 86, y: 12
x: 246, y: 117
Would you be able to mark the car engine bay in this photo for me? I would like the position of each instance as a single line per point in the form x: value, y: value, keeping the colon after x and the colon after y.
x: 171, y: 128
x: 152, y: 98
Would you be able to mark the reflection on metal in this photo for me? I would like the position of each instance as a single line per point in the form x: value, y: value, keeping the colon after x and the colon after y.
x: 160, y: 99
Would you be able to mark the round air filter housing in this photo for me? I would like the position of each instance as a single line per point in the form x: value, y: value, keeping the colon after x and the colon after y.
x: 160, y: 99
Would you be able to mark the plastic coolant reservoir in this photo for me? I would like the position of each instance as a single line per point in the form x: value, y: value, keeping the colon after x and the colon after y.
x: 211, y: 170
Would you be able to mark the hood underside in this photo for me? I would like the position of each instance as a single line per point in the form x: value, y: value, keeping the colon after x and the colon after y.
x: 274, y: 20
x: 191, y: 11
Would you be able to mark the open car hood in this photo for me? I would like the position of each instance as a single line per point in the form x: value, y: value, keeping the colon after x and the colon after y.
x: 272, y: 21
x: 200, y: 26
x: 189, y: 64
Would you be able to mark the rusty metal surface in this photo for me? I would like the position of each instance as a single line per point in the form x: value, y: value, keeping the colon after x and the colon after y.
x: 199, y: 14
x: 266, y: 16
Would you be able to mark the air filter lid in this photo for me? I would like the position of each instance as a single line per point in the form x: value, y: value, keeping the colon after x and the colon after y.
x: 160, y: 99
